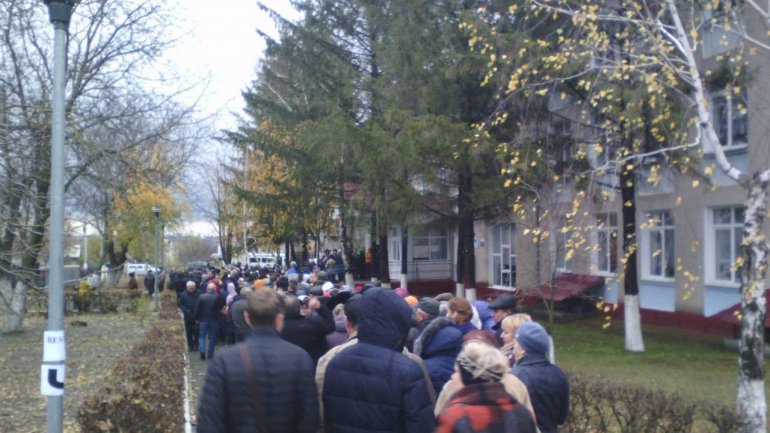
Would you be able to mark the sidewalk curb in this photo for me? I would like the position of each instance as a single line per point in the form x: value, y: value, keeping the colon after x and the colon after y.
x: 186, y: 404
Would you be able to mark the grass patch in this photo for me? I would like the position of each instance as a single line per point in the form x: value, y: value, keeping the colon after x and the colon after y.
x: 696, y: 366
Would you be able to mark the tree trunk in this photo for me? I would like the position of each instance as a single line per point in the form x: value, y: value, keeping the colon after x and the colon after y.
x: 383, y: 261
x: 14, y: 296
x: 632, y: 314
x: 404, y: 257
x: 751, y: 400
x: 466, y: 258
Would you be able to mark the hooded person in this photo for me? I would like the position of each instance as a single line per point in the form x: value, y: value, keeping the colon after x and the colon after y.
x: 372, y: 386
x: 438, y: 346
x: 547, y: 384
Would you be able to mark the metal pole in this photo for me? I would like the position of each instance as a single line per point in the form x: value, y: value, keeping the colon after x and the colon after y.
x: 52, y: 370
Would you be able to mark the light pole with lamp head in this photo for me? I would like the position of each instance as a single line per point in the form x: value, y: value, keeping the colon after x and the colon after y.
x: 52, y: 369
x: 156, y: 212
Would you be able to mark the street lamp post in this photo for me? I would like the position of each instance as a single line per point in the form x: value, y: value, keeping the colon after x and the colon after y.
x: 156, y: 212
x: 52, y: 369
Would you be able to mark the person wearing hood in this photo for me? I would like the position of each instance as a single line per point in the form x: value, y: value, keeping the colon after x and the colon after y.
x: 438, y: 346
x: 372, y: 386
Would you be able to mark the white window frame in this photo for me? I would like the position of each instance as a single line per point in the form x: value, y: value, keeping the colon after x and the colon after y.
x: 710, y: 245
x: 394, y: 252
x: 609, y: 229
x: 437, y: 245
x: 730, y: 105
x: 496, y: 246
x: 658, y: 224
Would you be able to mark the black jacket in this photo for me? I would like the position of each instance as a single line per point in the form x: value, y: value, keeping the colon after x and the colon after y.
x: 284, y: 374
x: 371, y: 386
x: 415, y: 332
x: 187, y: 302
x: 548, y: 390
x: 208, y: 306
x: 309, y: 332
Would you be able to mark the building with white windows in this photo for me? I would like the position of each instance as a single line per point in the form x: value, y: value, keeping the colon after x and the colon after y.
x: 688, y: 239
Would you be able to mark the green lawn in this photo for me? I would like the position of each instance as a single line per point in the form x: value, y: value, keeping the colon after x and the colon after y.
x: 697, y: 366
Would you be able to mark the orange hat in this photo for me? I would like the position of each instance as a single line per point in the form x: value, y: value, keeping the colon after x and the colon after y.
x: 411, y: 300
x: 258, y: 284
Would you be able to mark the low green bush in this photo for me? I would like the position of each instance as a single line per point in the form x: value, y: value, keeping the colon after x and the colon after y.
x: 600, y: 407
x: 145, y: 391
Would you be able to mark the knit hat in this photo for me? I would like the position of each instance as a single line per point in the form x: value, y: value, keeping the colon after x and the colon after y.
x: 429, y: 305
x: 411, y: 300
x: 402, y: 292
x: 481, y: 363
x: 533, y: 338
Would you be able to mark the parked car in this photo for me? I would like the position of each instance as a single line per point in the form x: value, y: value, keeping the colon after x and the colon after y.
x: 138, y: 268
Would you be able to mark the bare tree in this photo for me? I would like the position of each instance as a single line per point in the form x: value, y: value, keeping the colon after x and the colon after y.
x: 113, y: 46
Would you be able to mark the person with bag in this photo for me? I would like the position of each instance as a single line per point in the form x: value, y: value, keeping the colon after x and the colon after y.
x: 264, y: 384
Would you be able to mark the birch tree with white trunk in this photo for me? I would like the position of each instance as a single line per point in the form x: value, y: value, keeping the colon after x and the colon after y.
x: 664, y: 51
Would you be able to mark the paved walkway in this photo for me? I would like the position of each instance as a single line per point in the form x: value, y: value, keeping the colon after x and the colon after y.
x: 197, y: 376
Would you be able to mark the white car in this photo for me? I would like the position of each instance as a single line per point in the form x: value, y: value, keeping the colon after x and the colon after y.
x: 138, y: 268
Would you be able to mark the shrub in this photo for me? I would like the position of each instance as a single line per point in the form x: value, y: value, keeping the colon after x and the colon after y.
x: 600, y: 407
x: 145, y: 390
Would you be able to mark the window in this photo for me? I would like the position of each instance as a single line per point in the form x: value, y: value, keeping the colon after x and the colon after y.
x: 503, y: 255
x: 563, y: 239
x: 659, y: 259
x: 727, y: 229
x: 731, y: 119
x: 395, y: 244
x: 721, y: 28
x: 432, y: 245
x: 607, y: 242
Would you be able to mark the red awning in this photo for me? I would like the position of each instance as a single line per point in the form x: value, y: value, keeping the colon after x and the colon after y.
x: 730, y: 315
x: 565, y: 286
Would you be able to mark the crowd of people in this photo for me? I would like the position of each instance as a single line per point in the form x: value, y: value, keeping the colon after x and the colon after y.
x: 308, y: 354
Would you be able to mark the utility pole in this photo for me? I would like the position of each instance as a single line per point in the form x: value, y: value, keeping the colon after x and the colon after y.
x: 52, y: 369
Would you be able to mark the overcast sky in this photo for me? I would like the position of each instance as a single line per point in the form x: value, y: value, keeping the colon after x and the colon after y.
x: 222, y: 46
x: 219, y: 44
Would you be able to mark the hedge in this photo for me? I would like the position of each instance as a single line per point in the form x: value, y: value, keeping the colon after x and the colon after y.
x: 145, y: 390
x: 600, y: 407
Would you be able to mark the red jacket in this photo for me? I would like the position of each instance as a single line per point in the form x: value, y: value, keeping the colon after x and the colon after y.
x: 485, y: 408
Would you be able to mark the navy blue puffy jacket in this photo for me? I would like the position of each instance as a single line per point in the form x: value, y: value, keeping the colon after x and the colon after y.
x: 438, y: 346
x: 371, y: 386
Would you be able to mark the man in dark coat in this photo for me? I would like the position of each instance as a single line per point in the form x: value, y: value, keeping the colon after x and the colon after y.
x: 187, y: 302
x: 264, y: 384
x: 149, y: 283
x: 371, y: 386
x: 207, y: 314
x: 427, y: 311
x: 547, y: 384
x: 502, y: 307
x: 308, y: 332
